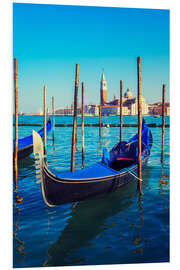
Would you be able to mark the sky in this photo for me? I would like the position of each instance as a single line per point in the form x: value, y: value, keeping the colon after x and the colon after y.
x: 49, y: 40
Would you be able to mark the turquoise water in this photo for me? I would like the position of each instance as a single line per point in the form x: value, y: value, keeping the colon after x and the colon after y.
x: 115, y: 228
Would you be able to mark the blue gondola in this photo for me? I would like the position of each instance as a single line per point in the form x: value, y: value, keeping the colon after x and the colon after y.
x: 25, y: 145
x: 116, y: 169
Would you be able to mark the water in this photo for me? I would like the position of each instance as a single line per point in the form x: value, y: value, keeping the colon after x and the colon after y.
x: 115, y: 228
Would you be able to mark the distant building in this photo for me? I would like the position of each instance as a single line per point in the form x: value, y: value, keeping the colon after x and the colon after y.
x: 39, y: 112
x: 110, y: 110
x: 64, y: 111
x: 168, y: 110
x: 133, y: 106
x: 130, y: 103
x: 114, y: 110
x: 67, y: 111
x: 156, y: 108
x: 92, y: 110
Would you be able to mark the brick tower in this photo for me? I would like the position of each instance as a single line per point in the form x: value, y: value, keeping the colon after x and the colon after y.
x: 103, y: 90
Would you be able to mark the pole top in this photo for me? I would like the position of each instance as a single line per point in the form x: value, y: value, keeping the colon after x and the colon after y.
x: 139, y: 58
x: 77, y: 74
x: 15, y: 65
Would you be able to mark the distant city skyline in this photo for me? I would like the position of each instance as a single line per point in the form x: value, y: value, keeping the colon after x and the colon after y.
x: 48, y: 40
x: 68, y: 106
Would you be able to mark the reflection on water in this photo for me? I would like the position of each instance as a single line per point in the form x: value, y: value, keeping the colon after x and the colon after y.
x: 163, y: 182
x: 137, y: 240
x: 88, y: 221
x: 16, y: 231
x: 115, y: 228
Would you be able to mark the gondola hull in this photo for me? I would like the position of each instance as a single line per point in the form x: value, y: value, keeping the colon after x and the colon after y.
x: 60, y: 191
x: 117, y: 168
x: 25, y: 152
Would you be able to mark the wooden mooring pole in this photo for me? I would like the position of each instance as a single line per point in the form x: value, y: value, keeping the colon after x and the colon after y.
x: 53, y: 116
x: 121, y: 109
x: 163, y: 122
x: 82, y: 112
x: 45, y: 121
x: 75, y: 119
x: 16, y: 125
x: 100, y: 120
x: 139, y: 124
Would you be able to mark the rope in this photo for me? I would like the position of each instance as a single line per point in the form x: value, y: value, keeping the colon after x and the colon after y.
x: 133, y: 174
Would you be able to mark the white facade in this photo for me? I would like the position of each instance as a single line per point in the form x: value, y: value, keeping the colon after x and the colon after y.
x: 94, y: 110
x: 110, y: 110
x: 134, y: 107
x: 114, y: 110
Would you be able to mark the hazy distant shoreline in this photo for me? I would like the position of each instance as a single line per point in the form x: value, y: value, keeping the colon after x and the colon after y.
x: 155, y: 115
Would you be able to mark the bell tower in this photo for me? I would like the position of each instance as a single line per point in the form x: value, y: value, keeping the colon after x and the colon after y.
x: 103, y: 90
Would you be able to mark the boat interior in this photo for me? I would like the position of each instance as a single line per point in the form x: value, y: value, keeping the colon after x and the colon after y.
x: 121, y: 163
x: 121, y: 156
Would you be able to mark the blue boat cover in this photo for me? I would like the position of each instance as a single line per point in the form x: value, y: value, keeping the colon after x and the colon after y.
x: 145, y: 135
x: 94, y: 171
x: 129, y: 149
x: 27, y: 141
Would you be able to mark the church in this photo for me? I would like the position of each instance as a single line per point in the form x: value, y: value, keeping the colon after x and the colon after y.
x: 112, y: 107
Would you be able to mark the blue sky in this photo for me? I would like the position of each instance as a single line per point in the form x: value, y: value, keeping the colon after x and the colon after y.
x: 48, y: 40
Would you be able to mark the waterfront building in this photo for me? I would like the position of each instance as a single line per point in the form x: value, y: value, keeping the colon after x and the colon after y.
x: 92, y: 110
x: 114, y: 110
x: 156, y: 108
x: 134, y: 107
x: 130, y: 105
x: 110, y: 110
x: 64, y: 111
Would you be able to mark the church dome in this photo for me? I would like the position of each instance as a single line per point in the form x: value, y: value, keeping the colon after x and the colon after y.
x: 128, y: 94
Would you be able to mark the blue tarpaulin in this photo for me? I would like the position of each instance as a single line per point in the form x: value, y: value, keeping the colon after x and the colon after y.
x: 27, y: 141
x: 94, y: 171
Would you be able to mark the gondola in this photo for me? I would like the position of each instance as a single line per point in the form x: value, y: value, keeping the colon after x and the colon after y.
x: 25, y: 145
x: 116, y: 169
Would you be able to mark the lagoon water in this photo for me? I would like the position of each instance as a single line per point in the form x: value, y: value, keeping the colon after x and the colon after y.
x: 115, y: 228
